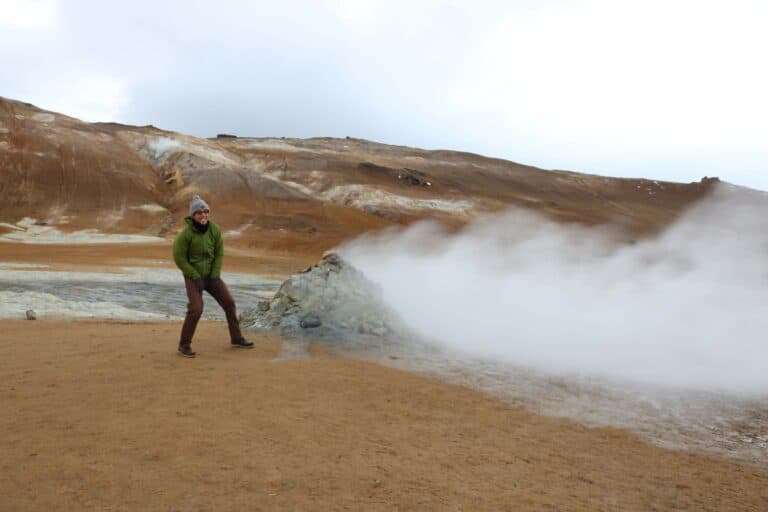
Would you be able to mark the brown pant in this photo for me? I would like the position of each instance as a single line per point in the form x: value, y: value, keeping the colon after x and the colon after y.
x: 218, y: 289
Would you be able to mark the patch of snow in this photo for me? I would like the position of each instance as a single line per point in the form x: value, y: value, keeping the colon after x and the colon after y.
x: 292, y: 184
x: 361, y: 196
x: 239, y: 231
x: 44, y: 118
x: 161, y: 147
x: 276, y: 144
x: 94, y: 136
x: 152, y: 208
x: 26, y: 222
x: 112, y: 218
x: 29, y: 233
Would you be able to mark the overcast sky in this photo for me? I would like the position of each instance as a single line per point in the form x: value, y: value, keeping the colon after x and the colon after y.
x: 662, y: 89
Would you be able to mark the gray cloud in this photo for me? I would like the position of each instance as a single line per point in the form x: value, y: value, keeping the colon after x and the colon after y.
x: 567, y: 85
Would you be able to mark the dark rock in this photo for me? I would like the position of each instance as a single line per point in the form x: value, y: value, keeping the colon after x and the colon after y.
x: 382, y: 212
x: 404, y: 174
x: 31, y: 315
x: 308, y: 322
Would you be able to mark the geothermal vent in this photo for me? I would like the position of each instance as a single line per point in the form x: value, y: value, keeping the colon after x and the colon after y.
x: 330, y: 298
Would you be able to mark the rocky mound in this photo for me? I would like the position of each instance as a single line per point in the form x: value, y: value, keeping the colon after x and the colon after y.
x: 330, y: 298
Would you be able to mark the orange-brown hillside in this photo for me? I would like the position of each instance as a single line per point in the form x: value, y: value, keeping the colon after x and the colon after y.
x: 286, y: 195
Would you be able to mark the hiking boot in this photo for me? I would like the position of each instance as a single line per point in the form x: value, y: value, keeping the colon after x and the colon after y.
x: 186, y: 351
x: 241, y: 343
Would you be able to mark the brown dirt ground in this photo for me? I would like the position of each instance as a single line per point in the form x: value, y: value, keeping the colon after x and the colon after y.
x: 105, y: 416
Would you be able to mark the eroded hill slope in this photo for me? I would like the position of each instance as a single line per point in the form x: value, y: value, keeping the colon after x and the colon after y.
x: 302, y: 195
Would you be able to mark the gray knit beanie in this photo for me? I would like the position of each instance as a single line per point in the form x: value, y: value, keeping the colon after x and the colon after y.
x: 196, y: 205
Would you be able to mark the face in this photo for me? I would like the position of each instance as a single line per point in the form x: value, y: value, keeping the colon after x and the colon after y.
x: 201, y: 216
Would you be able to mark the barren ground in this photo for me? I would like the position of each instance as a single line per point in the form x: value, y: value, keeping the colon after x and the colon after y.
x: 106, y: 416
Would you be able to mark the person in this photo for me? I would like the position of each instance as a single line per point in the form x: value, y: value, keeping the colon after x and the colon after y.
x: 198, y: 251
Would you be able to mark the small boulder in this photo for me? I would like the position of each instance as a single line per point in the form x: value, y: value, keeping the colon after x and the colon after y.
x: 31, y: 315
x: 310, y: 321
x: 331, y: 290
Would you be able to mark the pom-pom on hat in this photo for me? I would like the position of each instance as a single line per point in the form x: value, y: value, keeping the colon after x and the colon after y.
x: 196, y: 205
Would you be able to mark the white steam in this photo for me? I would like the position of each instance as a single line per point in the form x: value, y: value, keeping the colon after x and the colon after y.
x: 688, y: 308
x: 159, y: 146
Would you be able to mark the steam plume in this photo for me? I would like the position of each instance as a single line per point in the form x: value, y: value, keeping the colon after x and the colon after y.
x: 687, y: 308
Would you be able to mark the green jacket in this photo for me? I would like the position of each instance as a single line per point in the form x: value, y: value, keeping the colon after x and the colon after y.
x: 199, y: 254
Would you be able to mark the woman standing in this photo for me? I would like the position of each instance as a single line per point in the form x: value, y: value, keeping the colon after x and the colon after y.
x: 199, y: 252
